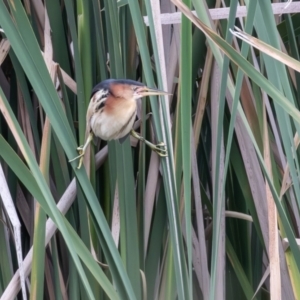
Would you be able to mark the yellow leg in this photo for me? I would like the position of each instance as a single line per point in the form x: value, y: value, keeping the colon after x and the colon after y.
x: 159, y: 148
x: 81, y: 150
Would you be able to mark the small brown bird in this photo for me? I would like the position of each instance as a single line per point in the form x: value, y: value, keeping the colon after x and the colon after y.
x: 112, y: 112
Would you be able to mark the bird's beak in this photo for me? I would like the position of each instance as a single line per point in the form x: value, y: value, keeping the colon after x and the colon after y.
x: 145, y: 91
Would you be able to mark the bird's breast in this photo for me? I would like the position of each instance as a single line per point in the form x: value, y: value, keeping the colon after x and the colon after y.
x: 114, y: 120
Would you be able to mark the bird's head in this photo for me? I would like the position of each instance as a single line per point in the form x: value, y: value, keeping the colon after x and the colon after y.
x: 123, y: 88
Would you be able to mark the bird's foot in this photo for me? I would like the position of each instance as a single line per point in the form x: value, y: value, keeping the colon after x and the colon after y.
x: 160, y: 149
x: 81, y: 151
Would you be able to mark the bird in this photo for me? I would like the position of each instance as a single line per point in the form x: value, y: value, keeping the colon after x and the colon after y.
x: 112, y: 111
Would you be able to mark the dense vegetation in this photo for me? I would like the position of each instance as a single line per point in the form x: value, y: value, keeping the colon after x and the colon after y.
x: 217, y: 219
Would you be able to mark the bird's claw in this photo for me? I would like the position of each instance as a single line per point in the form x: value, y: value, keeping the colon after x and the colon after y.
x: 161, y: 149
x: 81, y: 152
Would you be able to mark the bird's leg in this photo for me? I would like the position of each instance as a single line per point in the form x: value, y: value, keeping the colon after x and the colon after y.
x: 159, y: 148
x: 81, y: 150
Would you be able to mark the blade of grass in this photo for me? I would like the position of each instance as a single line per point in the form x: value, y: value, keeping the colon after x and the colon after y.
x: 163, y: 132
x: 12, y: 218
x: 38, y: 268
x: 127, y: 201
x: 81, y: 93
x: 220, y: 173
x: 38, y: 264
x: 185, y: 76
